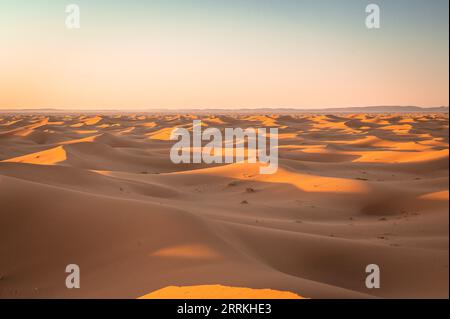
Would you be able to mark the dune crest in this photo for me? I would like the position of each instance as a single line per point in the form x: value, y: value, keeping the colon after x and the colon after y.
x: 48, y: 157
x: 218, y: 292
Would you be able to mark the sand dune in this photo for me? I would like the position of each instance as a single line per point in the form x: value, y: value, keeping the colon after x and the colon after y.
x: 48, y: 157
x: 101, y: 192
x: 218, y: 292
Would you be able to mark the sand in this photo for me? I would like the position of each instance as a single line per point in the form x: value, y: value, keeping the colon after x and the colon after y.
x: 100, y: 191
x: 218, y: 292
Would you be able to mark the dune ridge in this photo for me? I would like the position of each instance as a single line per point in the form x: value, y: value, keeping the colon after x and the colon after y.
x: 218, y: 292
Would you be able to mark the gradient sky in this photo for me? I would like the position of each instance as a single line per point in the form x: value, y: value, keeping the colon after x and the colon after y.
x: 134, y: 54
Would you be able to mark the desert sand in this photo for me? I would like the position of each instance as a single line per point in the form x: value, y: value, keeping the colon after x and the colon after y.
x: 100, y: 191
x: 217, y: 292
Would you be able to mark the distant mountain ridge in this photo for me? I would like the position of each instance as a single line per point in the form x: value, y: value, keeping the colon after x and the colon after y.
x: 362, y: 109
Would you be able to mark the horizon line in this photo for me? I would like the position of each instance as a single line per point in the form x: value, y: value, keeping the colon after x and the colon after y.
x: 150, y: 109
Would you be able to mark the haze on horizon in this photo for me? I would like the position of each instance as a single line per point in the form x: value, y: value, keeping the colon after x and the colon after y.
x: 233, y: 54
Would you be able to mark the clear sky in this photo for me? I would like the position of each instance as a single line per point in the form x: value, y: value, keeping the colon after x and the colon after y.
x: 134, y: 54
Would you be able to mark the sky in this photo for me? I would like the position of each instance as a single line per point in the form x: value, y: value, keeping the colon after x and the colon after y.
x: 179, y: 54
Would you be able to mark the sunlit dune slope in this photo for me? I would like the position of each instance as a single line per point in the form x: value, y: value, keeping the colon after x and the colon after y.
x: 218, y: 292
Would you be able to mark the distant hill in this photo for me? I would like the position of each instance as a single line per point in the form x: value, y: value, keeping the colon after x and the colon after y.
x: 382, y: 109
x: 362, y: 109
